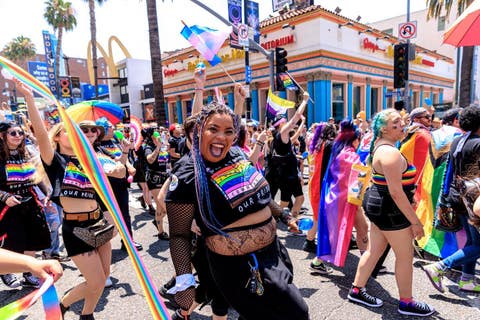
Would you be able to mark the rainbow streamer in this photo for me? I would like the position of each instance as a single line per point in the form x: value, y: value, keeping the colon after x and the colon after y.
x: 50, y: 303
x: 136, y: 129
x: 92, y: 167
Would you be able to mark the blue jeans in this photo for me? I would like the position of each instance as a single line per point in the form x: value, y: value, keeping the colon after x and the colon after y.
x: 466, y: 257
x: 53, y: 215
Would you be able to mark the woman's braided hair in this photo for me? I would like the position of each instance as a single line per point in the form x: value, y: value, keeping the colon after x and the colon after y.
x: 201, y: 179
x: 379, y: 121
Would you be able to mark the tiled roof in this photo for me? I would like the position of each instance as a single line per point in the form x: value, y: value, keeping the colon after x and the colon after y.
x: 288, y: 15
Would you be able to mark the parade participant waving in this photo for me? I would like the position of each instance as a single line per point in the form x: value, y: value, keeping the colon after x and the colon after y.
x: 393, y: 221
x: 230, y: 200
x: 21, y: 215
x: 75, y: 193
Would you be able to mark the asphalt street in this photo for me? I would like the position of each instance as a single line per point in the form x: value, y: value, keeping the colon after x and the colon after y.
x: 325, y: 295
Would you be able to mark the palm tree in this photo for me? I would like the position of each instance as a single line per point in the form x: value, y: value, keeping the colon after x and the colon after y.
x: 61, y: 16
x: 434, y: 11
x: 19, y: 50
x: 156, y: 62
x: 93, y: 39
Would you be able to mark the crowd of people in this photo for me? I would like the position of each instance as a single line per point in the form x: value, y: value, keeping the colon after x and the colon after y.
x: 215, y: 178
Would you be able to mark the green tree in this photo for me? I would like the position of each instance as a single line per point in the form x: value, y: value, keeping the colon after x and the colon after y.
x: 60, y: 15
x: 156, y: 62
x: 93, y: 39
x: 435, y: 8
x: 19, y: 50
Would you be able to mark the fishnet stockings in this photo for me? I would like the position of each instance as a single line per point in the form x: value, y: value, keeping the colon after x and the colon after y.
x: 180, y: 217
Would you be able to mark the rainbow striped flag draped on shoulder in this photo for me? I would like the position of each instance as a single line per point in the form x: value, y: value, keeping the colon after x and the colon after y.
x: 436, y: 242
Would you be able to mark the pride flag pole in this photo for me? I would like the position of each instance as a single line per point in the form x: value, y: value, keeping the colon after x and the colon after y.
x: 296, y: 83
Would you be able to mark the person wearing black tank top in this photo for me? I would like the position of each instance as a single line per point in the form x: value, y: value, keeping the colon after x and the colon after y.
x: 387, y: 161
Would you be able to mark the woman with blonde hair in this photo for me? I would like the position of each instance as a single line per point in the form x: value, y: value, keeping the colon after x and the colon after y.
x: 75, y: 193
x: 393, y: 220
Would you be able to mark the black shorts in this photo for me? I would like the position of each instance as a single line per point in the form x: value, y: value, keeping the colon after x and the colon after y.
x: 381, y: 210
x: 24, y: 227
x: 73, y: 244
x: 288, y: 187
x: 155, y: 179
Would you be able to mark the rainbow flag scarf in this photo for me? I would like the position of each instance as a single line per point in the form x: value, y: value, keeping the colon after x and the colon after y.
x: 92, y: 167
x: 439, y: 243
x: 207, y: 41
x: 50, y: 303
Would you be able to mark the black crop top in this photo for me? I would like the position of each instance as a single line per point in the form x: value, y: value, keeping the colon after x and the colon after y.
x: 236, y: 188
x: 68, y: 179
x: 17, y: 175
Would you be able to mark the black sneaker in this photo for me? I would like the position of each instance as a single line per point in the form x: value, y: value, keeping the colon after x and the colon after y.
x: 142, y: 202
x: 11, y: 280
x: 30, y: 280
x: 414, y: 308
x: 360, y: 295
x: 137, y: 245
x: 168, y: 296
x: 321, y: 268
x: 309, y: 246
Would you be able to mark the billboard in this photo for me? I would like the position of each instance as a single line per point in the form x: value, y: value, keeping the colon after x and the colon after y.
x: 252, y: 19
x: 278, y: 4
x: 39, y: 70
x: 49, y: 58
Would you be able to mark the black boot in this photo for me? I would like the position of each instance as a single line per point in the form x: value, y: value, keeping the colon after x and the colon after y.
x: 87, y: 317
x: 151, y: 210
x: 63, y: 309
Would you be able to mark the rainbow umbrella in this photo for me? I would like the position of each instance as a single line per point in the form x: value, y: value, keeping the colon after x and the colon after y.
x: 465, y: 31
x: 94, y: 110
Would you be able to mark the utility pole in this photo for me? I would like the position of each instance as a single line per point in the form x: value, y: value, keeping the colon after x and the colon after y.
x: 406, y: 92
x: 248, y: 99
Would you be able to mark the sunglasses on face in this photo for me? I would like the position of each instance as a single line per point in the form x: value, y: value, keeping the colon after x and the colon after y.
x: 92, y: 129
x: 14, y: 133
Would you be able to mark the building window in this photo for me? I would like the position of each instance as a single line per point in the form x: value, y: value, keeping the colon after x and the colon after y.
x: 374, y: 101
x: 357, y: 99
x: 338, y: 101
x: 388, y: 31
x: 441, y: 24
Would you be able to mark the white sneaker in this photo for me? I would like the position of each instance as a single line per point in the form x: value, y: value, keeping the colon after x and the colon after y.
x: 108, y: 283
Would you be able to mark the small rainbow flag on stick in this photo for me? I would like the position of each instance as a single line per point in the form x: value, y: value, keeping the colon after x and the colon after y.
x: 287, y: 81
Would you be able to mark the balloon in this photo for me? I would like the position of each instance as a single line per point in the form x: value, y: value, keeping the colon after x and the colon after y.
x: 130, y: 179
x: 156, y: 134
x: 305, y: 224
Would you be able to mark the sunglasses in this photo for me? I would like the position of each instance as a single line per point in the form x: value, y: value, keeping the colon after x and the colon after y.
x: 14, y: 133
x: 91, y: 129
x: 426, y: 116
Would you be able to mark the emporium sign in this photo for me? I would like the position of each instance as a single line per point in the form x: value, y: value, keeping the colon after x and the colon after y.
x: 372, y: 45
x: 278, y: 42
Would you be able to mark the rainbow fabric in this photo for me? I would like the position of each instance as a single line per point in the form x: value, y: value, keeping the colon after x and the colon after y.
x: 163, y: 157
x: 439, y: 243
x: 315, y: 183
x: 336, y: 215
x: 113, y: 151
x: 136, y: 130
x: 50, y: 303
x: 287, y: 81
x: 87, y: 157
x: 20, y: 171
x: 207, y: 41
x: 238, y: 181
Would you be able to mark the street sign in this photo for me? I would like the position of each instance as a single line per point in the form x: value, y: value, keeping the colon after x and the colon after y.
x: 407, y: 30
x: 248, y: 74
x: 243, y: 34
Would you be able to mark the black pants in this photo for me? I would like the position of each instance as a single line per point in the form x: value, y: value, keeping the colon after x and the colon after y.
x: 281, y: 298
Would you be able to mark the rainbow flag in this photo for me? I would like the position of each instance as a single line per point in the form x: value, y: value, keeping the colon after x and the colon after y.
x: 276, y: 105
x: 50, y: 303
x: 207, y: 41
x: 336, y: 215
x: 92, y: 167
x: 287, y: 81
x: 439, y: 243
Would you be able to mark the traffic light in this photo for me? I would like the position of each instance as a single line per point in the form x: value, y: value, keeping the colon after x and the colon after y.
x: 400, y: 65
x: 281, y: 65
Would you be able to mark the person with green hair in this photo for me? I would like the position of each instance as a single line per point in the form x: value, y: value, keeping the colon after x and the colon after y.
x: 388, y: 205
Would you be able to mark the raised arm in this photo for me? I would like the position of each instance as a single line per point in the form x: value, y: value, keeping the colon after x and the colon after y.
x: 46, y: 149
x: 200, y: 77
x: 284, y: 132
x: 239, y: 94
